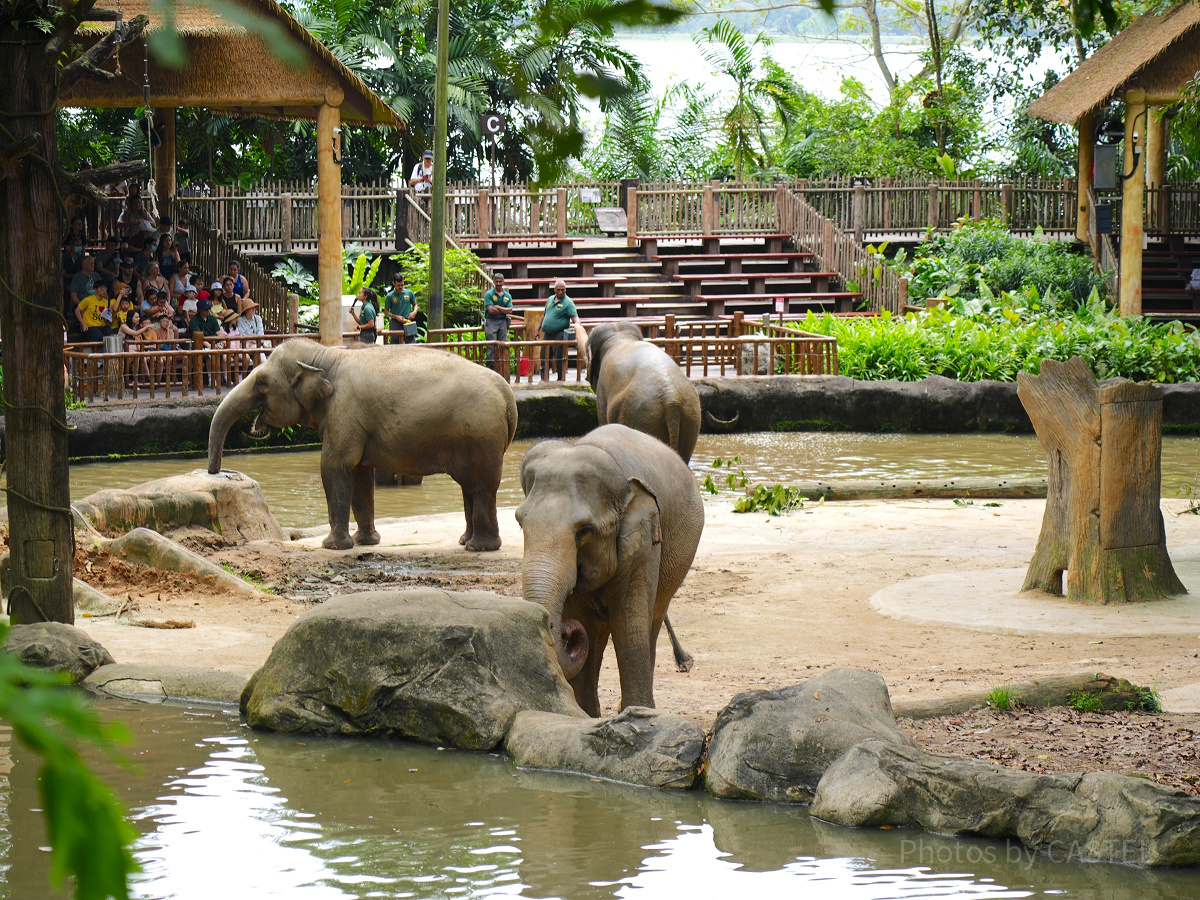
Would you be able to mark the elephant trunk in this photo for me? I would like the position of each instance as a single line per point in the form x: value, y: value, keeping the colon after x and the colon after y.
x: 548, y: 580
x: 241, y: 400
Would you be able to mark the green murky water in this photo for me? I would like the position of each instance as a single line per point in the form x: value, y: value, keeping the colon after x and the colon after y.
x: 226, y: 813
x: 292, y: 481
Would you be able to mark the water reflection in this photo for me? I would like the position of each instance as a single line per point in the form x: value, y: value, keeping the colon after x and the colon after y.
x: 227, y: 812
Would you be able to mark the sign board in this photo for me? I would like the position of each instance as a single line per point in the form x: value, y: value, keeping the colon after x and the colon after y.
x: 589, y: 195
x: 492, y: 124
x: 1104, y: 218
x: 1104, y: 167
x: 780, y: 303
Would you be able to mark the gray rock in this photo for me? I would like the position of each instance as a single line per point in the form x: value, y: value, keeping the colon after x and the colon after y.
x: 776, y: 745
x: 428, y: 665
x: 167, y: 682
x: 57, y: 646
x: 1098, y: 815
x: 229, y: 503
x: 638, y: 746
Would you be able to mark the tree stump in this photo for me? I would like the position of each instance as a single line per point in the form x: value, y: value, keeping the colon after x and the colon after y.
x: 1102, y: 524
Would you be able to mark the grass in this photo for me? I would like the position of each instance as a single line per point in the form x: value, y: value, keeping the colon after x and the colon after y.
x: 251, y: 578
x: 1001, y: 698
x: 1148, y: 700
x: 1085, y: 701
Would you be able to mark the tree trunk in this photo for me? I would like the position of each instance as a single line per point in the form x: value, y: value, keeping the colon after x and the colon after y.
x: 41, y: 532
x: 1102, y: 524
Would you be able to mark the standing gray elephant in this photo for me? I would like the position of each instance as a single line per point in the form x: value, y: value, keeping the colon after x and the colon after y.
x: 611, y: 526
x: 409, y: 410
x: 638, y: 385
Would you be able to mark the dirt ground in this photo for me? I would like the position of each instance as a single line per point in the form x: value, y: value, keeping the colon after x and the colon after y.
x: 769, y: 602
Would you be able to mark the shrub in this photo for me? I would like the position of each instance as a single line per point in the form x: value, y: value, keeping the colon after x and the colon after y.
x: 1001, y: 698
x: 462, y: 298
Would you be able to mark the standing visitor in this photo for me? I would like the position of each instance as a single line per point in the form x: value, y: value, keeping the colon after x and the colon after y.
x: 422, y: 174
x: 400, y: 307
x: 497, y: 306
x: 560, y: 314
x: 365, y: 318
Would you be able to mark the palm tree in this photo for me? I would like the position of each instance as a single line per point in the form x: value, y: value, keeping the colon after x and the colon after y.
x: 745, y: 123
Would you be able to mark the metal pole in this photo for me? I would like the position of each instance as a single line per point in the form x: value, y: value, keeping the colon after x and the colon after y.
x: 437, y: 215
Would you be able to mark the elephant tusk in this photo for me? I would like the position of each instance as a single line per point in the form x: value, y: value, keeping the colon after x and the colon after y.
x: 719, y: 425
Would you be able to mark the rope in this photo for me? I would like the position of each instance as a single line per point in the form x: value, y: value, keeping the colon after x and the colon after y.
x: 119, y: 29
x: 151, y: 192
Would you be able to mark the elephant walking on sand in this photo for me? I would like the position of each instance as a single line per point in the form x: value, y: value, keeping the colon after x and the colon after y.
x: 408, y: 410
x: 611, y: 526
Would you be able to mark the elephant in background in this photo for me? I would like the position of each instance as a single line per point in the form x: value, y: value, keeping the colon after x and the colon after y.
x: 639, y: 386
x: 409, y: 410
x: 611, y: 526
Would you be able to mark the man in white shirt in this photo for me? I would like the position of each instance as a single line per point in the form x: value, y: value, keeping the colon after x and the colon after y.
x: 422, y: 174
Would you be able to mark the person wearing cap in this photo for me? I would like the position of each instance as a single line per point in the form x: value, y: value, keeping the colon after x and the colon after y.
x: 422, y: 174
x: 188, y: 307
x: 365, y: 318
x: 560, y: 314
x: 400, y: 308
x: 497, y: 306
x: 239, y: 283
x: 204, y: 321
x: 95, y: 314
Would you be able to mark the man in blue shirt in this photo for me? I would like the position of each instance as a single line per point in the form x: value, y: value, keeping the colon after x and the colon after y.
x: 497, y: 305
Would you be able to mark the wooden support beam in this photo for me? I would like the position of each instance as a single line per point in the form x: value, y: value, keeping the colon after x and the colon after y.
x: 164, y: 158
x: 329, y: 217
x: 1133, y: 200
x: 1087, y: 152
x: 1156, y: 162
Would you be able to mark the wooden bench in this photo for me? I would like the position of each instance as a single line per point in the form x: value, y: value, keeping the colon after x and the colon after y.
x: 564, y: 246
x: 711, y: 243
x: 843, y: 301
x: 586, y: 265
x: 606, y: 283
x: 628, y: 306
x: 623, y: 307
x: 757, y: 281
x: 1150, y: 294
x: 671, y: 261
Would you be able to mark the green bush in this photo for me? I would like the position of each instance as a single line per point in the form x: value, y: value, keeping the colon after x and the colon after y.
x: 463, y: 300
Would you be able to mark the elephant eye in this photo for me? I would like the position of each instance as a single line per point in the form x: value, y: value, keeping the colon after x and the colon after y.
x: 583, y: 532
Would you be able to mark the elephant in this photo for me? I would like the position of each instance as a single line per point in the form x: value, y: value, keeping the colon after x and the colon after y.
x: 409, y: 410
x: 638, y: 385
x: 611, y: 525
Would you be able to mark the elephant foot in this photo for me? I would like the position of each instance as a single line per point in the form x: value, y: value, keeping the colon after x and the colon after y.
x: 464, y: 537
x: 338, y: 541
x: 479, y: 543
x: 366, y: 538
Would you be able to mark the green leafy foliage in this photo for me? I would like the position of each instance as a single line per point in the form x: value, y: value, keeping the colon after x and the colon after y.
x: 87, y: 831
x: 1148, y: 700
x: 1085, y: 701
x: 462, y: 299
x: 1001, y: 698
x: 775, y: 500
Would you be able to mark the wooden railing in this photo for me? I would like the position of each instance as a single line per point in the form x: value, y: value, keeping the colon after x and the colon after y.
x: 418, y: 231
x: 211, y: 256
x: 838, y: 251
x: 702, y: 210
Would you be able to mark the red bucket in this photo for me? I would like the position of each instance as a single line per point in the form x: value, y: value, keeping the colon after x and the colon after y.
x: 526, y: 366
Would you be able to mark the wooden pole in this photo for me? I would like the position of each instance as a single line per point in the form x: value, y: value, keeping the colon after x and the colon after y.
x: 859, y: 211
x: 164, y: 159
x: 1087, y: 152
x: 1156, y: 162
x: 329, y: 217
x: 1133, y: 199
x: 437, y: 213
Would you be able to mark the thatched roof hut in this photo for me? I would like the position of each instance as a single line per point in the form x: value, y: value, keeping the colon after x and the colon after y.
x: 1155, y: 53
x: 230, y: 70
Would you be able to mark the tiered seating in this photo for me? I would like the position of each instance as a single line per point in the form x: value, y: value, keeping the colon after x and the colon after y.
x: 1165, y: 275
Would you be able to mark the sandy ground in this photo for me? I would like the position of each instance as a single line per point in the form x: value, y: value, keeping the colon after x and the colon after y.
x: 769, y: 601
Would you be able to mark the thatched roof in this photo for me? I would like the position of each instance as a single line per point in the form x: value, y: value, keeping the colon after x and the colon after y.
x: 229, y: 70
x: 1159, y: 53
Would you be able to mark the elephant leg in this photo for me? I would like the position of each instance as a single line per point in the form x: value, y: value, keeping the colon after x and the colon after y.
x: 339, y: 485
x: 362, y: 502
x: 468, y: 511
x: 484, y: 526
x: 633, y: 642
x: 586, y: 683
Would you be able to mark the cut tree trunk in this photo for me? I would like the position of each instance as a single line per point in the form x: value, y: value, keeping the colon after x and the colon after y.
x: 1103, y: 526
x: 41, y: 532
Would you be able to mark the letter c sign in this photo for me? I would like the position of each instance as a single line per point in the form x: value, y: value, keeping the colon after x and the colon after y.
x: 492, y: 124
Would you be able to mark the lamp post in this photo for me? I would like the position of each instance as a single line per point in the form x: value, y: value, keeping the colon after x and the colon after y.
x: 437, y: 214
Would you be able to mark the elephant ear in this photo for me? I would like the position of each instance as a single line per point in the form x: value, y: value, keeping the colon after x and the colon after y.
x: 311, y: 385
x: 641, y: 522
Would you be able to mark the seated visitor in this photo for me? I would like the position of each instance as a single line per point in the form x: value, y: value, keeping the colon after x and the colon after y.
x: 182, y: 280
x: 108, y: 260
x: 239, y: 283
x: 167, y: 256
x: 95, y: 314
x: 204, y: 321
x: 85, y: 280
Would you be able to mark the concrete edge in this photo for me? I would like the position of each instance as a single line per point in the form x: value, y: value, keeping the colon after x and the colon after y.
x: 154, y: 683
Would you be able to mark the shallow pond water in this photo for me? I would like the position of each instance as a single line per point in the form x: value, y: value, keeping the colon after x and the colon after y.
x: 292, y: 481
x: 226, y: 812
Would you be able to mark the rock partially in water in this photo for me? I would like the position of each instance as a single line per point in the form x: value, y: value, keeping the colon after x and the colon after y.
x: 776, y: 744
x: 433, y: 666
x: 57, y: 646
x: 230, y: 504
x: 149, y: 548
x: 637, y: 746
x: 1098, y: 815
x: 160, y: 682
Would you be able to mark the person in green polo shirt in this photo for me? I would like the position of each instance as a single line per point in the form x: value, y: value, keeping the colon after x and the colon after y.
x: 204, y: 321
x: 365, y: 317
x: 400, y: 309
x: 497, y: 306
x: 560, y: 313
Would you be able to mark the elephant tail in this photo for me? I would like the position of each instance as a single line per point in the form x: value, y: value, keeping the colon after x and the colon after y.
x: 510, y: 414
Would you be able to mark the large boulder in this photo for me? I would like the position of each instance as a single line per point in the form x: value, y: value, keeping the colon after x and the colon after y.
x: 637, y: 746
x: 57, y: 646
x: 149, y: 548
x: 229, y: 503
x: 1098, y: 815
x: 776, y: 745
x: 423, y: 664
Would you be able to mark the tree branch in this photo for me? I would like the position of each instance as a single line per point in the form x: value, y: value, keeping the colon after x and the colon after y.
x: 102, y: 15
x: 119, y: 171
x: 73, y: 14
x: 872, y: 14
x: 79, y: 189
x: 88, y: 65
